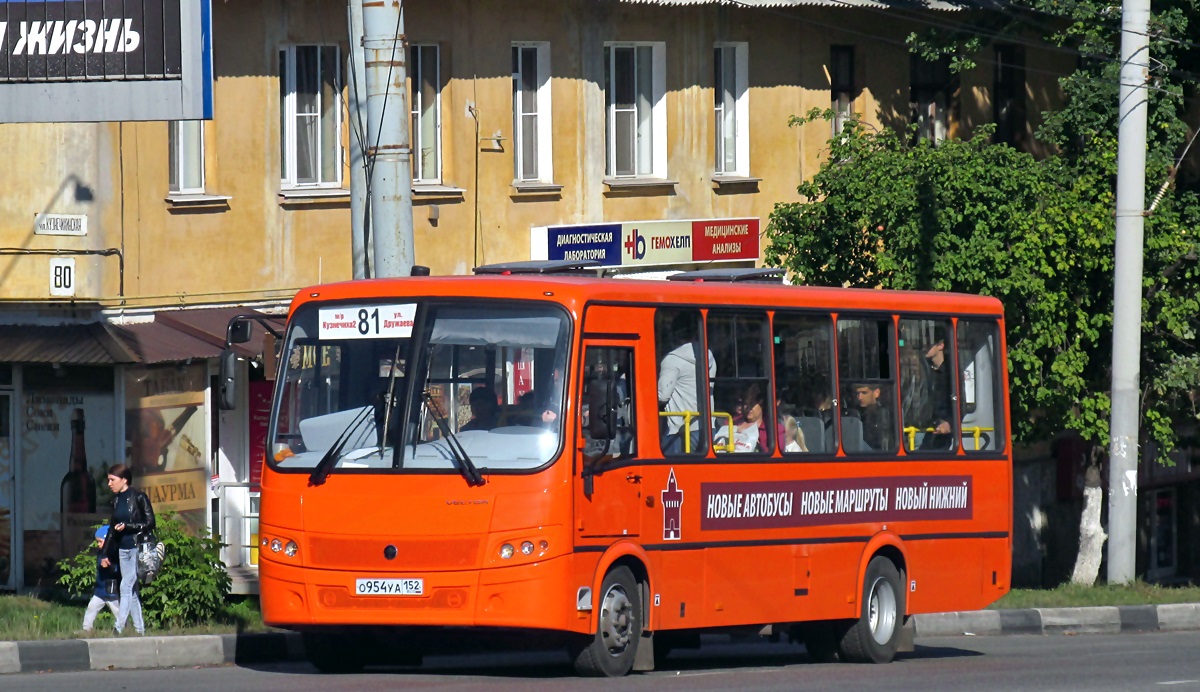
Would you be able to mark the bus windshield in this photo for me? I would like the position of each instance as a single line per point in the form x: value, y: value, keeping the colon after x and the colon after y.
x: 486, y: 375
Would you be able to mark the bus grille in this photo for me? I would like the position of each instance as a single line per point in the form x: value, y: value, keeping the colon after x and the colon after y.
x: 342, y: 552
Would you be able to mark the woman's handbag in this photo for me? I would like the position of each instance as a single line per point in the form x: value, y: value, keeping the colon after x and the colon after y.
x: 150, y: 554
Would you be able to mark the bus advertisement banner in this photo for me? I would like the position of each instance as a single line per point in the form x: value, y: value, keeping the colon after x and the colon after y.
x: 785, y: 504
x: 649, y: 242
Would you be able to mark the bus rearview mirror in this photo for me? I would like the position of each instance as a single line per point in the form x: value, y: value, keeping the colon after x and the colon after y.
x: 227, y: 396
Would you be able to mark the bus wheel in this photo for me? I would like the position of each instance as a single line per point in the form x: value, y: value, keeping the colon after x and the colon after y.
x: 874, y: 637
x: 331, y: 653
x: 611, y: 651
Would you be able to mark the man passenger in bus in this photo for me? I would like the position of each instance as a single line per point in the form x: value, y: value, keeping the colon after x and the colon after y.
x: 485, y: 410
x: 678, y: 389
x: 939, y: 393
x: 876, y: 419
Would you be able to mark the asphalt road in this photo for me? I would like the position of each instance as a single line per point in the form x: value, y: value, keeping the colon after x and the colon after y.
x: 1154, y: 661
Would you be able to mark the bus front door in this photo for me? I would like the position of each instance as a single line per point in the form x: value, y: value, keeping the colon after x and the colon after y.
x: 609, y: 483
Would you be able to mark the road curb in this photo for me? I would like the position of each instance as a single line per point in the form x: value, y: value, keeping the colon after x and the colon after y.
x: 273, y: 647
x: 1094, y: 620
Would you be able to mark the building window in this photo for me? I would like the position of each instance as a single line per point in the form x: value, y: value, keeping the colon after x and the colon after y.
x: 635, y: 110
x: 732, y: 109
x: 310, y: 125
x: 1009, y: 100
x: 841, y: 85
x: 531, y: 112
x: 185, y: 141
x: 426, y: 126
x: 931, y: 86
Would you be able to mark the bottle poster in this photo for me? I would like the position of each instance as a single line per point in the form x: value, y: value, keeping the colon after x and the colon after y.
x: 53, y: 529
x: 165, y: 438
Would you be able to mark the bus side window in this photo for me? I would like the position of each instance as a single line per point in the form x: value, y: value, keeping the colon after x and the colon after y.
x: 867, y: 385
x: 681, y: 377
x: 927, y: 402
x: 979, y: 383
x: 608, y: 372
x: 805, y: 397
x: 744, y: 402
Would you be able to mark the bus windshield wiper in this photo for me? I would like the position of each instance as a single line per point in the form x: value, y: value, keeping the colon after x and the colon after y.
x: 321, y: 470
x: 465, y: 466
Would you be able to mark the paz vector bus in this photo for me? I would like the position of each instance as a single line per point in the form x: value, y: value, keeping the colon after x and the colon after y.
x: 617, y: 466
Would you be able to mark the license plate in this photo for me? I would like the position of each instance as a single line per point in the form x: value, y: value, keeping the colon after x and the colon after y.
x: 389, y: 587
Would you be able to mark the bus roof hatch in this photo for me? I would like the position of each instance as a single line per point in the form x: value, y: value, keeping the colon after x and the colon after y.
x: 589, y: 267
x: 769, y: 275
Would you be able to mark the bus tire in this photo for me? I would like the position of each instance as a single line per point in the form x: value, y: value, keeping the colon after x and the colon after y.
x: 610, y: 652
x: 874, y: 637
x: 333, y: 654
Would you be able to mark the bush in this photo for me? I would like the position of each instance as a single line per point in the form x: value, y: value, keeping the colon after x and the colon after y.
x: 191, y: 588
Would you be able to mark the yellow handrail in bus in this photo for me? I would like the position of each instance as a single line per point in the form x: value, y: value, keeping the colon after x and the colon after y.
x: 728, y: 447
x: 976, y: 432
x: 687, y: 426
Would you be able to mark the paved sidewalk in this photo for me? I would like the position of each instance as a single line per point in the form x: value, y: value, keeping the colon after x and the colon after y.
x: 221, y: 649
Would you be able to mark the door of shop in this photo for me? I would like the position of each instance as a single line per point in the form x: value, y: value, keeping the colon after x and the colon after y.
x: 8, y: 488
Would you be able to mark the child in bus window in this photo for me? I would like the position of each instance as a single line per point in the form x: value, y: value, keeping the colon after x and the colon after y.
x: 793, y: 436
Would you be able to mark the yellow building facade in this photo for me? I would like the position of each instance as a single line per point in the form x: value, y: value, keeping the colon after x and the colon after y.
x: 528, y: 118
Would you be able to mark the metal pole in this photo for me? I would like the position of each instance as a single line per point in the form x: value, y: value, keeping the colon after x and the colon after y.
x: 389, y: 150
x: 1127, y: 291
x: 359, y: 223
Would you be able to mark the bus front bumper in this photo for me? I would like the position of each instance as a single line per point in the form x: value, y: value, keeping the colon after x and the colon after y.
x: 527, y: 596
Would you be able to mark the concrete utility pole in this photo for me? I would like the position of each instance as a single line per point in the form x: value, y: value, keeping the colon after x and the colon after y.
x: 389, y: 150
x: 357, y: 71
x: 1127, y: 291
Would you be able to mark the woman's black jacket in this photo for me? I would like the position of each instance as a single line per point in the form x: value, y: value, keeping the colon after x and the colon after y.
x: 141, y: 522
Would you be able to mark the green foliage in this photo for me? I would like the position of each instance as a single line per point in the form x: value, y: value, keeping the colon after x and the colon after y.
x: 191, y: 589
x: 1038, y: 235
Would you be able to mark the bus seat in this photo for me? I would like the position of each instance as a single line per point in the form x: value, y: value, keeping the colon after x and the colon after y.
x: 852, y: 434
x: 814, y: 432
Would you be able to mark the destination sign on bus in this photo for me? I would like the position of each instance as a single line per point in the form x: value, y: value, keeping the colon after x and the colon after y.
x: 782, y: 504
x: 367, y: 322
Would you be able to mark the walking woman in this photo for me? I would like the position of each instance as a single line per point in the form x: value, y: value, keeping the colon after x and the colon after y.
x: 131, y: 518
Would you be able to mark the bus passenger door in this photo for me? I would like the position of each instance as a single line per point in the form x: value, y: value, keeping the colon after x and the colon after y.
x: 609, y: 481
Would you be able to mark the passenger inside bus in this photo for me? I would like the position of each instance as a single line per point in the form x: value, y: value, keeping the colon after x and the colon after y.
x: 793, y: 436
x: 678, y: 388
x: 875, y: 416
x: 485, y: 410
x: 749, y: 434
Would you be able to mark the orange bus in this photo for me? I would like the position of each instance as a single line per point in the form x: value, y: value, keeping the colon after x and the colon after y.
x: 622, y: 464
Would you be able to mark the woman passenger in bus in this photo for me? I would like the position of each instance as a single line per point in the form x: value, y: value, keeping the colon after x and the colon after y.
x: 749, y: 433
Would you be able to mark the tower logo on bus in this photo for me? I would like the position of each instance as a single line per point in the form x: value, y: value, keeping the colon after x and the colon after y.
x: 672, y: 500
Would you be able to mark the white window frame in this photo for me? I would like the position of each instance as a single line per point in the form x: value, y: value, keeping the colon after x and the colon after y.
x: 421, y: 174
x: 741, y: 111
x: 545, y: 159
x: 931, y: 100
x: 182, y: 162
x: 288, y: 164
x: 658, y: 110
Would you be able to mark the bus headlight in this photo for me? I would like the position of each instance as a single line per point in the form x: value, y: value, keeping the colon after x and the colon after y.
x: 506, y: 551
x: 527, y: 548
x: 290, y: 549
x: 276, y: 545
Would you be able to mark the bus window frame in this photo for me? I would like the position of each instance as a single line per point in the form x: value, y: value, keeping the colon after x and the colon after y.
x: 417, y: 364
